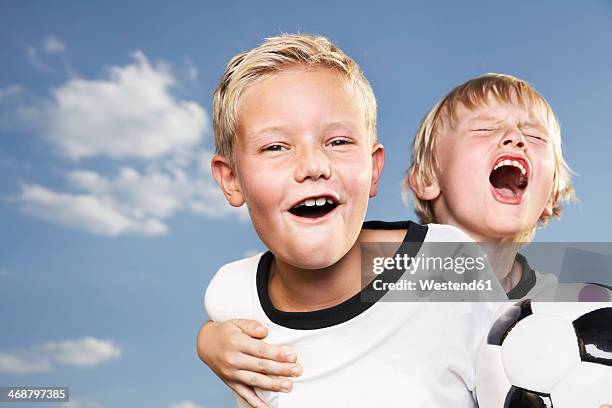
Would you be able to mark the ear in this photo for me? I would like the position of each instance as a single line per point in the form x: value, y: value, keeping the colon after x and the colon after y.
x: 227, y: 179
x: 425, y: 193
x: 548, y: 210
x: 378, y: 162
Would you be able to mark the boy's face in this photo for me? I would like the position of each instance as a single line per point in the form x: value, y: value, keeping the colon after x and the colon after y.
x: 496, y: 170
x: 304, y: 164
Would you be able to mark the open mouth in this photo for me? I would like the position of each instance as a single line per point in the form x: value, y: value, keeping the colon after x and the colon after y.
x: 314, y: 207
x: 509, y: 178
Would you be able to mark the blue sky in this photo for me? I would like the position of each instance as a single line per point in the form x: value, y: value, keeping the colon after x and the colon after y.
x: 111, y: 225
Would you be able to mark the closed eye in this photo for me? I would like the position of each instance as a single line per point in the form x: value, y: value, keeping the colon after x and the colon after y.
x: 536, y: 138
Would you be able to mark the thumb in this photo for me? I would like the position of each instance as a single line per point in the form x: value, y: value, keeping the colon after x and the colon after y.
x: 251, y: 328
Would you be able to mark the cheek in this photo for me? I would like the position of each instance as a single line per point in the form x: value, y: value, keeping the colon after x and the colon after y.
x: 461, y: 175
x: 547, y: 173
x: 357, y: 175
x: 457, y: 159
x: 259, y: 191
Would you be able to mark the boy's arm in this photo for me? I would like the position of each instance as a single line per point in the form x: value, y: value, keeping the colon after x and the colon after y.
x: 235, y: 352
x: 233, y: 348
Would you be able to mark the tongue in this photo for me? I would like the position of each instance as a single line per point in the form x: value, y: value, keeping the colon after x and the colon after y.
x: 505, y: 180
x: 505, y: 192
x: 505, y: 184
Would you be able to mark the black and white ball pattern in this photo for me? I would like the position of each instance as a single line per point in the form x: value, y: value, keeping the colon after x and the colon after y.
x: 547, y: 354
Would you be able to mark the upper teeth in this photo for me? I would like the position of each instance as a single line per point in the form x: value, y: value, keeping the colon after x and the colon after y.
x: 319, y: 202
x: 514, y: 163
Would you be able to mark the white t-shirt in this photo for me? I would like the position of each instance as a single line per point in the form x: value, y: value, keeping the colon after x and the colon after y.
x: 358, y: 354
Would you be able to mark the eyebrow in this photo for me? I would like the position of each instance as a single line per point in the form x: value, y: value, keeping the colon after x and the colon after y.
x: 485, y: 118
x: 536, y: 125
x: 256, y: 134
x: 531, y: 123
x: 340, y: 124
x: 284, y: 130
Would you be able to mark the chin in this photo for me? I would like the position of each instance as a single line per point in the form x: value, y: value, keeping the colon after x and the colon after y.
x: 496, y: 227
x: 319, y: 257
x: 510, y: 231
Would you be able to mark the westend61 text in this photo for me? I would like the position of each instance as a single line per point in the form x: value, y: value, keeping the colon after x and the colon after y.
x: 428, y: 285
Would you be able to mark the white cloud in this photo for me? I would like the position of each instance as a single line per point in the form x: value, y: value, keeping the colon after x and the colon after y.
x: 192, y: 70
x: 82, y: 211
x: 186, y: 404
x: 83, y: 352
x: 9, y: 91
x: 130, y: 114
x: 136, y: 195
x: 33, y: 58
x: 12, y: 101
x: 82, y: 403
x: 38, y: 56
x: 53, y: 45
x: 130, y: 203
x: 87, y: 351
x: 11, y: 363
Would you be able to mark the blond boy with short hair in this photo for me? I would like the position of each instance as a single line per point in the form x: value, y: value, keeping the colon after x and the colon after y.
x: 487, y: 159
x: 467, y: 111
x: 294, y: 123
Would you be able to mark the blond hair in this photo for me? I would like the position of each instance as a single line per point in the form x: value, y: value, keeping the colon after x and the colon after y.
x: 475, y: 92
x: 273, y: 55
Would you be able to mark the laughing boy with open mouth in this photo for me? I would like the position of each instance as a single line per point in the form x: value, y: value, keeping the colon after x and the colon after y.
x: 295, y: 131
x: 487, y: 159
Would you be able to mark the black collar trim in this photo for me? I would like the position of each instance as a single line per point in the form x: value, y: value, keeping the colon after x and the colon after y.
x: 527, y: 281
x: 346, y: 310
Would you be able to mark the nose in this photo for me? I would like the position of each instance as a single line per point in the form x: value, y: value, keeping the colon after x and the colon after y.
x: 513, y: 137
x: 312, y: 164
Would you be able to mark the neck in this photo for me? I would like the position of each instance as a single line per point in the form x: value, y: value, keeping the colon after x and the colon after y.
x: 295, y: 289
x: 502, y: 258
x: 501, y: 255
x: 476, y: 236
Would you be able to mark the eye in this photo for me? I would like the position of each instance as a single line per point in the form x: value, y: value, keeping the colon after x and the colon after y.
x: 274, y: 147
x: 536, y: 137
x: 340, y: 142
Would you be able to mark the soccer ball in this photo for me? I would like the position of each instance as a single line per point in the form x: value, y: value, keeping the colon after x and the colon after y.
x: 547, y: 354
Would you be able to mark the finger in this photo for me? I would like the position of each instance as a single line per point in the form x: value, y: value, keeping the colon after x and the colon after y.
x: 261, y: 349
x: 251, y: 328
x: 248, y: 395
x: 264, y: 382
x: 270, y: 367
